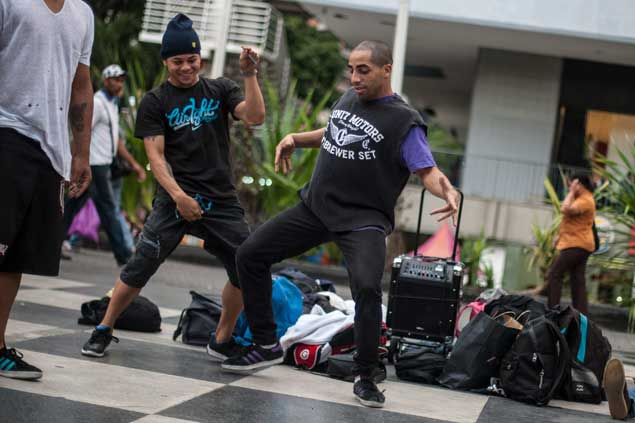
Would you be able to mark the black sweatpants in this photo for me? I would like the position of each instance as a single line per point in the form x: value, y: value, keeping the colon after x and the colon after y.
x: 293, y: 232
x: 572, y: 260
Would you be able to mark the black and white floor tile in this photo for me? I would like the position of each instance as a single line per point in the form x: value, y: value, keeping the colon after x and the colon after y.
x: 148, y: 378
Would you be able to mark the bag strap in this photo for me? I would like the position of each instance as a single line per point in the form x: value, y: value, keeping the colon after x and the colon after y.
x: 505, y: 313
x: 524, y: 313
x: 564, y: 357
x: 179, y: 326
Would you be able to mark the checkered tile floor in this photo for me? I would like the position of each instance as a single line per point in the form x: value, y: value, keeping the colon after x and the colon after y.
x: 149, y: 378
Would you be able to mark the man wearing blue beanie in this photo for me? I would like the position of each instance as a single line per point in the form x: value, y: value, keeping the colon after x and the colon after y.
x: 184, y: 124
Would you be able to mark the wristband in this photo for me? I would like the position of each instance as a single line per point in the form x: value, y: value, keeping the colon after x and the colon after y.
x: 252, y: 73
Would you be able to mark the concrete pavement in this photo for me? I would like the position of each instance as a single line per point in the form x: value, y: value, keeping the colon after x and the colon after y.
x: 149, y: 378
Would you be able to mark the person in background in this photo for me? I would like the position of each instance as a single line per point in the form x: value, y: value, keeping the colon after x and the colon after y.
x: 105, y: 145
x: 45, y: 48
x: 575, y: 243
x: 117, y: 188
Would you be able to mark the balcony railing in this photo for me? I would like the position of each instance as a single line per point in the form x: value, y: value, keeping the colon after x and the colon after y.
x: 253, y: 23
x: 498, y: 178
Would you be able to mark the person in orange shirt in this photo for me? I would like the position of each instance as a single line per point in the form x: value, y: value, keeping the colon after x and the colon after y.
x: 575, y: 243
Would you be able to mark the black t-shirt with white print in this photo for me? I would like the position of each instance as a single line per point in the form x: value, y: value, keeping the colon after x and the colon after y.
x: 195, y: 124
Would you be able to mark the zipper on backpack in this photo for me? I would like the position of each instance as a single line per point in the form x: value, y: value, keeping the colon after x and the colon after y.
x: 542, y: 374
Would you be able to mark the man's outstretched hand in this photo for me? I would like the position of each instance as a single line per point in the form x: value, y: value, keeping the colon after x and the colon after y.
x: 284, y: 150
x: 451, y: 197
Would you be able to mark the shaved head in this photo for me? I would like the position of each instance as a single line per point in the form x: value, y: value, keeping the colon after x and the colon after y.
x: 380, y: 53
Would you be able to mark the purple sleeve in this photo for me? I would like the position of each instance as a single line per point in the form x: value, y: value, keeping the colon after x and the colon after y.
x: 415, y: 150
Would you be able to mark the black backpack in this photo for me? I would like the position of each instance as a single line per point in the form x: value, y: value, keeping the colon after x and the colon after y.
x: 142, y: 315
x: 590, y: 350
x: 198, y: 321
x: 534, y: 368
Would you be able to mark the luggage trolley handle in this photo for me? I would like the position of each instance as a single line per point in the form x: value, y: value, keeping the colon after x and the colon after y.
x: 456, y: 232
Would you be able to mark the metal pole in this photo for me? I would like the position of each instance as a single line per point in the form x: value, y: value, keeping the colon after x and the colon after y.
x: 399, y: 47
x: 225, y: 13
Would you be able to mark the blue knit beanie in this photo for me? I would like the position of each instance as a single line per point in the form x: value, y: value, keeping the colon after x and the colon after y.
x: 180, y: 38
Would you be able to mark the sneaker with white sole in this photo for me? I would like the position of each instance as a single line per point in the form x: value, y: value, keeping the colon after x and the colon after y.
x: 98, y: 342
x: 254, y: 357
x: 367, y: 394
x: 221, y: 351
x: 13, y: 366
x: 615, y: 387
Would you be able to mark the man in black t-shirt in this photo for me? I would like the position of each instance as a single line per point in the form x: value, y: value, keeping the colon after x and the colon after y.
x: 184, y: 124
x: 373, y: 141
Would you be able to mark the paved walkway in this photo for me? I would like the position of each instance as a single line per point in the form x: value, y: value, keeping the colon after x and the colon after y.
x: 149, y: 378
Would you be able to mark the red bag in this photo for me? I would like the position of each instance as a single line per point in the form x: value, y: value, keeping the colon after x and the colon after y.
x: 309, y: 356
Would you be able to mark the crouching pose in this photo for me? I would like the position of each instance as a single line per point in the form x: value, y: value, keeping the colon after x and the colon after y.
x: 185, y: 129
x: 373, y: 141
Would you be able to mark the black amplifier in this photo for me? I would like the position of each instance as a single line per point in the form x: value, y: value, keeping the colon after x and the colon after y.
x: 424, y: 297
x: 425, y: 293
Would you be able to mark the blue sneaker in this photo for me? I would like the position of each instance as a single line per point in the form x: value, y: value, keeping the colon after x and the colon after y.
x: 12, y: 366
x: 254, y: 357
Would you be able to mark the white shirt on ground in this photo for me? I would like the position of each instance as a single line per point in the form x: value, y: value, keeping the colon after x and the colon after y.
x: 105, y: 129
x: 39, y: 54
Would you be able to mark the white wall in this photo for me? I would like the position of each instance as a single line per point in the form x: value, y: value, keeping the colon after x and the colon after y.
x: 512, y: 125
x: 597, y: 19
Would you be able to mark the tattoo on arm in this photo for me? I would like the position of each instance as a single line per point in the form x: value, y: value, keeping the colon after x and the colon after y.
x: 77, y: 114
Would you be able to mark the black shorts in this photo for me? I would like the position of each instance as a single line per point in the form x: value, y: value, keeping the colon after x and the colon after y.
x: 31, y: 210
x: 223, y: 229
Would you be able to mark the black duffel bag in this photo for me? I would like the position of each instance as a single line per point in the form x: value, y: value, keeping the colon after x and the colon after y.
x: 341, y: 366
x: 142, y: 315
x: 198, y: 320
x: 422, y: 364
x: 518, y: 305
x: 477, y: 354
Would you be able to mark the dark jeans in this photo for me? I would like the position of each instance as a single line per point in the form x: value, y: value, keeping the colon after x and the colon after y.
x: 572, y: 260
x: 223, y: 228
x: 100, y: 190
x: 293, y: 232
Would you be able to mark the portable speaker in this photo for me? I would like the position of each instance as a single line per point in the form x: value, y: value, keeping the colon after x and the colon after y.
x: 425, y: 292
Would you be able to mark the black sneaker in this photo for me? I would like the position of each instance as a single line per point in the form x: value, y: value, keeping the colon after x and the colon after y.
x: 224, y: 350
x: 96, y: 345
x: 12, y: 366
x: 367, y: 393
x: 254, y: 357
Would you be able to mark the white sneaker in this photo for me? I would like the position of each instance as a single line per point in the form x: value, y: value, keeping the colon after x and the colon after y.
x: 67, y: 250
